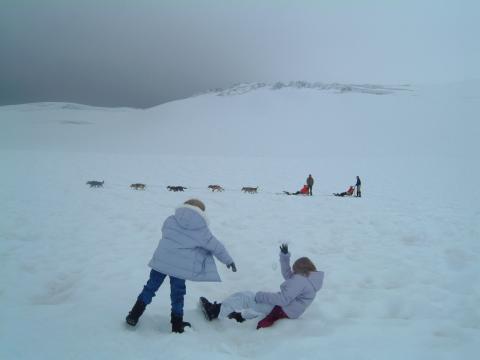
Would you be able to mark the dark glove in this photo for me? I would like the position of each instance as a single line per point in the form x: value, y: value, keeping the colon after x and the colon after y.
x: 232, y: 265
x: 284, y: 248
x: 237, y: 316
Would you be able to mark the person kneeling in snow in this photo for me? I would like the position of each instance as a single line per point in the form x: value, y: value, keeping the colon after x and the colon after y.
x: 185, y: 252
x: 297, y: 292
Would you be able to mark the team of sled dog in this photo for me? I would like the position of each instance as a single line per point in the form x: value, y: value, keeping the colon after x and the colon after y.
x: 174, y: 188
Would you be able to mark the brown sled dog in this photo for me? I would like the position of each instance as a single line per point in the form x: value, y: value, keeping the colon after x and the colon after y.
x: 138, y: 186
x: 250, y: 190
x: 216, y: 188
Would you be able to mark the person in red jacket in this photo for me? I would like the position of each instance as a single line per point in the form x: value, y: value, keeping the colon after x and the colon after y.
x: 303, y: 191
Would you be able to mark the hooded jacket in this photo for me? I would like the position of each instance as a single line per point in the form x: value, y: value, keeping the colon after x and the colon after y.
x: 296, y: 292
x: 187, y: 247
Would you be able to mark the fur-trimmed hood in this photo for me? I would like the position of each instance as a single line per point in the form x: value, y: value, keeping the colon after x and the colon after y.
x: 191, y: 217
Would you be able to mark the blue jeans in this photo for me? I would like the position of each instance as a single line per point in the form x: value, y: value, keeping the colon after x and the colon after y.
x: 177, y: 291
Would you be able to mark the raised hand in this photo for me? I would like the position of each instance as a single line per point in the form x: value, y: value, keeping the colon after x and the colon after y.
x: 284, y: 248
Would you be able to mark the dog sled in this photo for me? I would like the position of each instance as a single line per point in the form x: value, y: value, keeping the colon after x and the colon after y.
x: 348, y: 193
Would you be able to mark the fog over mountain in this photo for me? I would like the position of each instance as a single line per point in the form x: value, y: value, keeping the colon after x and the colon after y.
x: 118, y: 53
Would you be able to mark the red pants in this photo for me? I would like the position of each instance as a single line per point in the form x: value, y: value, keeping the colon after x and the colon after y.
x: 277, y: 313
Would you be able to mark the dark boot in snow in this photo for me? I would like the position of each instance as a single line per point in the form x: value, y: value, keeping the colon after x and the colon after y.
x: 135, y: 313
x: 210, y: 310
x: 178, y: 325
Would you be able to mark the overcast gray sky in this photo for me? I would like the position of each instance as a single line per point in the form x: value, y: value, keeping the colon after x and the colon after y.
x: 145, y: 52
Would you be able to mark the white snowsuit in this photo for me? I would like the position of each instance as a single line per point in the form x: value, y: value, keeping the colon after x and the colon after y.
x: 244, y: 303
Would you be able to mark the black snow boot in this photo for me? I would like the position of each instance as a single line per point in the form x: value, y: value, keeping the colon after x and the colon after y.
x: 135, y: 313
x: 178, y: 325
x: 210, y: 310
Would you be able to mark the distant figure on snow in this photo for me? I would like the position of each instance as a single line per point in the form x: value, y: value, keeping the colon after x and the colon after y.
x: 349, y: 192
x: 310, y: 184
x: 358, y: 185
x: 296, y: 294
x: 183, y: 253
x: 302, y: 191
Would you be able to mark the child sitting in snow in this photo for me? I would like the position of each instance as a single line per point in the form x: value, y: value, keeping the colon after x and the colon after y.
x: 183, y: 253
x: 296, y: 293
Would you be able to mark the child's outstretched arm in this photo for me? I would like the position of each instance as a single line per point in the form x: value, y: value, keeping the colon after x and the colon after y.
x: 285, y: 262
x: 218, y: 250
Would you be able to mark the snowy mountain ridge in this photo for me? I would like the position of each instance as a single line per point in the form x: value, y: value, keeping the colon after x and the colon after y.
x: 373, y: 89
x: 236, y: 89
x: 50, y: 105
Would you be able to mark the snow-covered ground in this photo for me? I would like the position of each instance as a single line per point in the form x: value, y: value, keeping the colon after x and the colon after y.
x: 401, y: 263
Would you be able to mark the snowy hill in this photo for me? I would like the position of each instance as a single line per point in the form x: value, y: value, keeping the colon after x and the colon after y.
x: 294, y: 119
x: 401, y: 263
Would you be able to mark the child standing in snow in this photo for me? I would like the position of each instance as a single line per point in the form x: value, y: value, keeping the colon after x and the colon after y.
x: 183, y: 253
x: 297, y: 292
